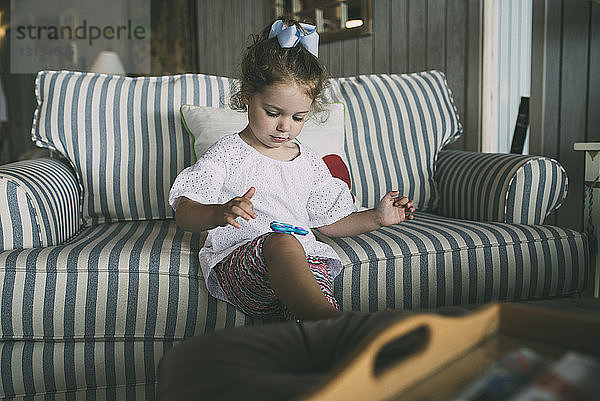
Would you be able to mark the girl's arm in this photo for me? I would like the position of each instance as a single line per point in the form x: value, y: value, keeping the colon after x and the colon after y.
x: 196, y: 217
x: 353, y: 224
x: 391, y: 210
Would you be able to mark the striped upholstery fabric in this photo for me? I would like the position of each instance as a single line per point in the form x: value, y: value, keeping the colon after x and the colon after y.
x: 434, y: 261
x: 124, y: 136
x: 395, y: 126
x: 40, y: 201
x: 499, y: 187
x: 76, y: 370
x: 99, y: 312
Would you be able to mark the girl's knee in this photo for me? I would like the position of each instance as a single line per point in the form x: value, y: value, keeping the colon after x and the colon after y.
x: 281, y: 242
x: 280, y: 247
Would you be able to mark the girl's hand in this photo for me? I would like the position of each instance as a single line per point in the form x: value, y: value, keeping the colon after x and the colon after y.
x: 240, y: 206
x: 393, y: 209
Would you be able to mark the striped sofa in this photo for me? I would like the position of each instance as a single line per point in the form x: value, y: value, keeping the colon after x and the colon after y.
x: 97, y: 282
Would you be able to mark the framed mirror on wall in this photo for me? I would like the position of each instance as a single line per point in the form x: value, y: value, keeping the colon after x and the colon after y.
x: 335, y: 19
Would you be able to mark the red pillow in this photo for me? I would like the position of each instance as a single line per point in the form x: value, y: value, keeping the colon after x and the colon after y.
x: 338, y: 169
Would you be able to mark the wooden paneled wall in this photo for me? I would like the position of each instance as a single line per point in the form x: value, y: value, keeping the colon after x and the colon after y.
x: 408, y: 36
x: 224, y: 28
x: 565, y: 91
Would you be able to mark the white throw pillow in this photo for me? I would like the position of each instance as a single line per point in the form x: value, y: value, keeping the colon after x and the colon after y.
x: 209, y: 124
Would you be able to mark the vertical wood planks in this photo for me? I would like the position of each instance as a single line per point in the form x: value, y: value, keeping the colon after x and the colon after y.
x: 381, y: 34
x: 456, y: 54
x: 417, y: 35
x: 408, y: 36
x: 436, y: 34
x: 399, y: 36
x: 350, y: 60
x: 566, y: 91
x: 593, y: 103
x: 336, y: 58
x: 573, y: 89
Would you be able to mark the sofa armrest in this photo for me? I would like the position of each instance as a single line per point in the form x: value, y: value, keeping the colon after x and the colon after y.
x: 40, y: 204
x: 499, y: 187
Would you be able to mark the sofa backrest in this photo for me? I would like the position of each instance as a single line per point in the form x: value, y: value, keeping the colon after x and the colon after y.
x: 126, y: 141
x: 124, y: 136
x: 396, y: 124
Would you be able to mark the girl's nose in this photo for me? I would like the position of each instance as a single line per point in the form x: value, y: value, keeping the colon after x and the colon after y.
x: 283, y: 125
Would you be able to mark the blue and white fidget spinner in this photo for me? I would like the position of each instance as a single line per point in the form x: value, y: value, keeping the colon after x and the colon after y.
x: 287, y: 228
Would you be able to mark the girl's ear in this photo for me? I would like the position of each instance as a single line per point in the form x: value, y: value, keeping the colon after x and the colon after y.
x: 245, y: 99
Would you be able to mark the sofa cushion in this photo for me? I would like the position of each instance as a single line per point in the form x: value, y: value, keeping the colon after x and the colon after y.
x: 286, y: 361
x: 395, y: 127
x: 121, y: 281
x: 141, y: 280
x: 124, y: 136
x: 434, y: 261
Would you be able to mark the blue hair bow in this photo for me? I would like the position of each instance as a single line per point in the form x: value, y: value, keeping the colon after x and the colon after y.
x: 290, y: 36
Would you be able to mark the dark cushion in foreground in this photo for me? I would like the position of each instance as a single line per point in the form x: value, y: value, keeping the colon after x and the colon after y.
x: 280, y: 361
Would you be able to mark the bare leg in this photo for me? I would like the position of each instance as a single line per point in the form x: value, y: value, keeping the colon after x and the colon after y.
x: 292, y: 279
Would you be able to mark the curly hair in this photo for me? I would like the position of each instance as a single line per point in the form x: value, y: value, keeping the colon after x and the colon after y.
x: 265, y: 63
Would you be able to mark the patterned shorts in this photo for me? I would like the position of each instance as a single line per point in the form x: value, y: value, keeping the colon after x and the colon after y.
x: 244, y: 278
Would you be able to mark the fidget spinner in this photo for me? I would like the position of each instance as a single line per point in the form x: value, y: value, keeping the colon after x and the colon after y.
x: 287, y: 228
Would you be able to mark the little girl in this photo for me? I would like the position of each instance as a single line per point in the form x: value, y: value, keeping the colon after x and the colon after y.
x: 248, y: 179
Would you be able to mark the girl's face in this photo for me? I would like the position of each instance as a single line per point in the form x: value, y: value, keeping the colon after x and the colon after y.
x: 276, y: 115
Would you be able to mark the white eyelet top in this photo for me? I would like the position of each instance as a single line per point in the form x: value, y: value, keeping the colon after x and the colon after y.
x: 301, y: 192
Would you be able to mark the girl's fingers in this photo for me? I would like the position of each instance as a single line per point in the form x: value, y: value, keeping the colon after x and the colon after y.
x: 393, y: 195
x: 248, y: 207
x: 249, y: 193
x: 249, y: 210
x: 231, y: 221
x: 401, y: 200
x: 239, y: 211
x: 405, y: 204
x: 243, y: 208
